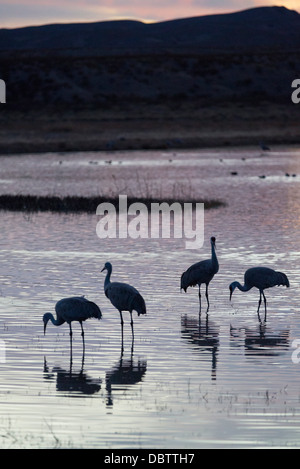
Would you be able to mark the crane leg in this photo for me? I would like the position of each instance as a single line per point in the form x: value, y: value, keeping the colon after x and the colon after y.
x: 71, y: 351
x: 131, y: 323
x: 199, y: 294
x: 122, y: 323
x: 206, y: 294
x: 259, y: 303
x: 265, y: 302
x: 82, y: 335
x: 121, y: 317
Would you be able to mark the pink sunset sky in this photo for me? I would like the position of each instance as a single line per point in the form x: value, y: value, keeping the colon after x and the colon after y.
x: 17, y: 13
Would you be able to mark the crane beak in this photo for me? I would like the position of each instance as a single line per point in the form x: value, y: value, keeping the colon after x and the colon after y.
x: 104, y: 268
x: 45, y: 325
x: 231, y: 291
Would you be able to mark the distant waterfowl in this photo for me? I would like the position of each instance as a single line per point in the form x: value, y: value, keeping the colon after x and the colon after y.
x: 264, y: 147
x: 201, y: 272
x: 76, y: 308
x: 123, y: 297
x: 261, y: 278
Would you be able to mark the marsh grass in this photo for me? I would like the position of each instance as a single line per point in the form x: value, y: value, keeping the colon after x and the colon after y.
x: 78, y: 204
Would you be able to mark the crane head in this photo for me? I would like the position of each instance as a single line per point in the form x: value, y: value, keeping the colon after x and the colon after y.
x: 232, y: 287
x: 107, y: 266
x: 46, y: 318
x: 213, y: 240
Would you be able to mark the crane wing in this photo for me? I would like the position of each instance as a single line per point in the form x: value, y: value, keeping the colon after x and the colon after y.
x: 77, y: 308
x: 264, y: 277
x: 201, y: 272
x: 124, y: 297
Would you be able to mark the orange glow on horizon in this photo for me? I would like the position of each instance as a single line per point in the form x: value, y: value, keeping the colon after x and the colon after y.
x: 31, y: 12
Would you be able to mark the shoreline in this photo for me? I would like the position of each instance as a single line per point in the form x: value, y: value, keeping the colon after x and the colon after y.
x: 148, y: 127
x: 143, y: 145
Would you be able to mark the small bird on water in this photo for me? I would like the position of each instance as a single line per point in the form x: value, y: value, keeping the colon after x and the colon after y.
x: 123, y: 297
x: 76, y: 308
x: 201, y: 272
x: 261, y: 278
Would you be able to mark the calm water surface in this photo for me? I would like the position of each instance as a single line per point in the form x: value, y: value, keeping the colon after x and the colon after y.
x: 224, y: 381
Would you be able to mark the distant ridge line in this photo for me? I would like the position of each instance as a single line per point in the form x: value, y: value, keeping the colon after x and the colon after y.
x: 266, y: 27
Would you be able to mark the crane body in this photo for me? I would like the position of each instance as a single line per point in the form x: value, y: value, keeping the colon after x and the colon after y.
x: 76, y: 308
x: 201, y: 272
x: 261, y: 278
x: 123, y: 297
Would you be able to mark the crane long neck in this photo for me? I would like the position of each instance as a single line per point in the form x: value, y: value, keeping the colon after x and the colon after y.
x: 107, y: 278
x: 242, y: 287
x: 214, y: 257
x: 56, y: 322
x: 49, y: 317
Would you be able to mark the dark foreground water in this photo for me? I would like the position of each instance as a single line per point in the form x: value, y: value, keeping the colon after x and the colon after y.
x: 224, y: 381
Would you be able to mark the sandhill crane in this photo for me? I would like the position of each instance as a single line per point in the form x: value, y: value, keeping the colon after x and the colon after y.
x: 123, y: 297
x: 201, y: 272
x: 76, y: 308
x: 261, y: 278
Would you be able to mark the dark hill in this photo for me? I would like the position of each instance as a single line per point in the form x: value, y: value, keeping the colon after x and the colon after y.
x: 264, y: 27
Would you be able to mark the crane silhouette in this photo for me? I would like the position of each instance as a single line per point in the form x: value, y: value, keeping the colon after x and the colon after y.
x: 123, y: 297
x: 261, y: 278
x: 76, y: 308
x: 201, y: 272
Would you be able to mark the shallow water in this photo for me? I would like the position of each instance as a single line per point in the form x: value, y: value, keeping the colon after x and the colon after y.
x: 228, y: 381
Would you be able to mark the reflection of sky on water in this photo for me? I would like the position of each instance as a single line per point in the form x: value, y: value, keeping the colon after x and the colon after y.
x: 184, y: 381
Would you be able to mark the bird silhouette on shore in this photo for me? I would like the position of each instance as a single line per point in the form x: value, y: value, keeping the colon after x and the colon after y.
x: 201, y: 272
x: 261, y: 278
x: 76, y: 308
x: 123, y: 297
x: 264, y: 147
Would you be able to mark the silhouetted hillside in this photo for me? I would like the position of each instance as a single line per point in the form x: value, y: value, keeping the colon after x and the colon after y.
x: 263, y: 27
x: 124, y: 84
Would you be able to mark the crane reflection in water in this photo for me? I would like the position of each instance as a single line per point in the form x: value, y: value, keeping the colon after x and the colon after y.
x: 73, y: 382
x: 260, y: 340
x: 125, y: 373
x: 203, y: 335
